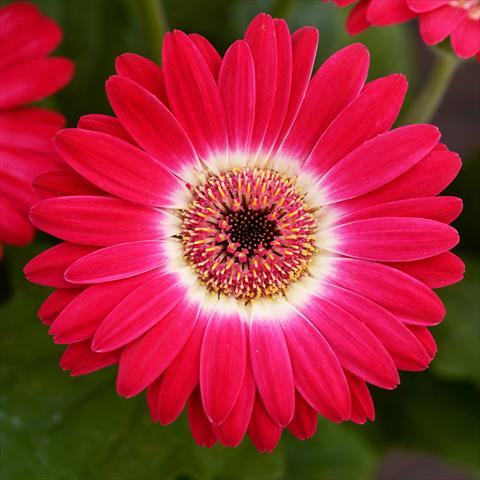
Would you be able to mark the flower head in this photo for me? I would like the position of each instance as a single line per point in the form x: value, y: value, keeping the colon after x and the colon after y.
x: 26, y: 75
x: 246, y: 239
x: 438, y: 19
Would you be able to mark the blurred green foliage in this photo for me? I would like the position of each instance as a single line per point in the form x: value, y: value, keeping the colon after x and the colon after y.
x: 57, y: 427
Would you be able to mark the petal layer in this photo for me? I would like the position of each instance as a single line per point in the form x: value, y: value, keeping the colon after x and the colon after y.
x: 399, y: 293
x: 142, y: 309
x: 145, y: 359
x: 378, y: 162
x: 116, y: 166
x: 222, y: 364
x: 130, y: 259
x: 392, y: 239
x: 272, y: 370
x: 99, y: 221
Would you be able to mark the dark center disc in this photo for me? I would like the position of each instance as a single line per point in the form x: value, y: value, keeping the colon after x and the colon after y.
x: 249, y: 228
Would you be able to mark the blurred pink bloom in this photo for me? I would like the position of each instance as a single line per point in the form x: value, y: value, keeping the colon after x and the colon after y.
x: 459, y: 19
x: 26, y: 75
x: 248, y: 240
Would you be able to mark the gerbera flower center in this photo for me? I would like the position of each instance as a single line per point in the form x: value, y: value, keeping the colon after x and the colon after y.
x: 250, y: 229
x: 248, y: 233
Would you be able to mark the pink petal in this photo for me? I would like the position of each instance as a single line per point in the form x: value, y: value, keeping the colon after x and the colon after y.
x: 426, y: 338
x: 440, y: 147
x: 130, y: 260
x: 262, y: 430
x: 26, y: 35
x: 337, y: 82
x: 362, y: 404
x: 392, y: 239
x: 22, y: 165
x: 193, y: 95
x: 420, y: 6
x: 139, y: 311
x: 82, y: 316
x: 167, y: 396
x: 236, y: 84
x: 378, y: 161
x: 144, y: 72
x: 304, y: 48
x: 466, y: 38
x: 15, y: 229
x: 399, y: 293
x: 261, y: 37
x: 272, y: 369
x: 151, y: 124
x: 106, y: 124
x: 99, y: 221
x: 31, y: 128
x: 153, y: 392
x: 200, y: 426
x: 317, y: 372
x: 115, y: 166
x: 357, y: 19
x: 283, y: 85
x: 437, y: 24
x: 61, y: 183
x: 18, y: 191
x: 15, y: 16
x: 417, y: 182
x: 80, y: 359
x: 17, y: 196
x: 34, y: 80
x: 388, y: 13
x: 49, y: 267
x: 37, y: 115
x: 55, y: 303
x: 233, y: 429
x: 371, y: 113
x: 436, y: 272
x: 145, y: 359
x: 406, y: 352
x: 441, y: 209
x: 222, y: 364
x: 304, y: 422
x: 209, y: 53
x: 358, y: 350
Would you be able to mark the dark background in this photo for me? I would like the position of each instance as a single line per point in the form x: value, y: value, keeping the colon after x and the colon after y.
x: 57, y: 427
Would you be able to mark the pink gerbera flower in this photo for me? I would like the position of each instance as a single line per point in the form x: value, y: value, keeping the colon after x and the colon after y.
x: 459, y: 19
x: 26, y: 75
x: 246, y: 239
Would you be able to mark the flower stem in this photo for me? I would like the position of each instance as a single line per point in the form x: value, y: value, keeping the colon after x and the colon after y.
x: 281, y: 8
x: 155, y: 25
x: 427, y: 102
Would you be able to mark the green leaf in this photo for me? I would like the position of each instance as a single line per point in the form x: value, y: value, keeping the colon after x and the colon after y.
x: 458, y: 335
x: 391, y: 49
x: 95, y: 32
x: 426, y: 414
x: 336, y: 452
x: 465, y: 186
